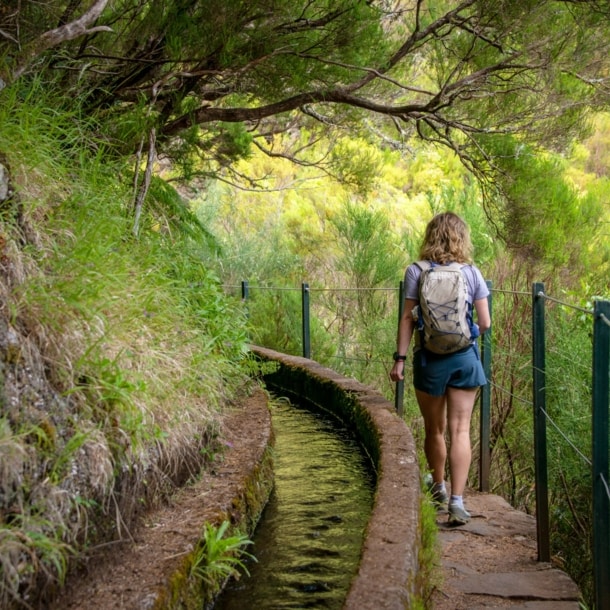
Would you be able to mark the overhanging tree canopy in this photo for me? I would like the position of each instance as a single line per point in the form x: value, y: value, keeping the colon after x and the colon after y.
x: 185, y: 70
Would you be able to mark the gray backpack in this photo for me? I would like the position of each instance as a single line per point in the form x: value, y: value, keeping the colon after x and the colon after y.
x: 444, y: 315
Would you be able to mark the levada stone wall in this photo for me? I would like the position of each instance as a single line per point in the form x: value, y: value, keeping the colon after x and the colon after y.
x: 388, y: 573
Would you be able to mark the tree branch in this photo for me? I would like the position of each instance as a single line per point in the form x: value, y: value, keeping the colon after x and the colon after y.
x: 63, y: 33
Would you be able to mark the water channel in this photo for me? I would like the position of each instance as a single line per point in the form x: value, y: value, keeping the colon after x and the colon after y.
x: 309, y: 538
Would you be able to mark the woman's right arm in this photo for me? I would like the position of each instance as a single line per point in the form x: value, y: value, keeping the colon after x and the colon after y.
x: 403, y: 340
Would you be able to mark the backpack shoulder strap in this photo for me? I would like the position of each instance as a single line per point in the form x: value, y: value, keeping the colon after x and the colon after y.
x: 423, y: 265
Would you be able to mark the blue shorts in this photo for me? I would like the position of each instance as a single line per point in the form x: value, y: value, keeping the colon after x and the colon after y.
x: 433, y: 374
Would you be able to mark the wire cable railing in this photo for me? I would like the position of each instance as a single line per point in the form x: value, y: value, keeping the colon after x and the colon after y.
x: 505, y: 356
x: 566, y: 439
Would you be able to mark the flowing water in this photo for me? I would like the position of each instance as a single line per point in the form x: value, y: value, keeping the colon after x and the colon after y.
x: 309, y: 538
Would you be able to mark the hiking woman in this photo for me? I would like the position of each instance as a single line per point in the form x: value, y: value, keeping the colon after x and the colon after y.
x: 445, y: 385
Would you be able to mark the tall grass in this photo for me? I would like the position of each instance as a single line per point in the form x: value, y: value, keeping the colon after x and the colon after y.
x: 119, y: 353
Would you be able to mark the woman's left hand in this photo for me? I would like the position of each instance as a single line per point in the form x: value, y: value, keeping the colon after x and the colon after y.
x: 398, y: 371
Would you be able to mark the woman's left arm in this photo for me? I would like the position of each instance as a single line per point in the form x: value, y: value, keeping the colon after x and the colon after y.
x: 481, y: 306
x: 480, y: 293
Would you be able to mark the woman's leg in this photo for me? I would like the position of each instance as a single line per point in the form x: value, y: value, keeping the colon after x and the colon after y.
x: 433, y: 410
x: 460, y: 403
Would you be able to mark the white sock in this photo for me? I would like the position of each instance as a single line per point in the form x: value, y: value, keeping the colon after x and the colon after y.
x: 457, y: 501
x: 439, y: 486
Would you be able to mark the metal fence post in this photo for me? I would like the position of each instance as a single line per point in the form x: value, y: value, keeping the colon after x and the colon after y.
x: 305, y: 309
x: 485, y: 400
x: 400, y: 385
x: 245, y: 293
x: 540, y: 448
x: 600, y: 468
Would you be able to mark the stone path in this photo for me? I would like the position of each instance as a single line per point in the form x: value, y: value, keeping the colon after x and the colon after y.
x: 492, y: 562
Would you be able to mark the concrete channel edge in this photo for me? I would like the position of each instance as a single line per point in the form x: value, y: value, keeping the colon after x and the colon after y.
x: 387, y: 576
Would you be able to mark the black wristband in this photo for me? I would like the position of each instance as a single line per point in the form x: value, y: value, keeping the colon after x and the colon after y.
x: 398, y: 357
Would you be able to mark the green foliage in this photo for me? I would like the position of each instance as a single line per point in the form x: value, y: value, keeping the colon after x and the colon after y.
x: 367, y: 253
x: 542, y: 216
x: 596, y: 157
x: 569, y: 402
x: 130, y: 345
x: 356, y: 163
x: 60, y: 468
x: 112, y: 401
x: 275, y: 318
x: 168, y: 212
x: 361, y: 251
x: 237, y: 141
x: 239, y: 53
x: 276, y: 321
x: 28, y: 550
x: 368, y: 261
x: 220, y: 557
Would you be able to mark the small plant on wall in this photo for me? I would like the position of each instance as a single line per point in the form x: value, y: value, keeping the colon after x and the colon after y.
x: 218, y: 558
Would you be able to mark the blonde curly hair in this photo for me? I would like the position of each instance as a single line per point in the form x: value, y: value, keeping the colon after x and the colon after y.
x: 447, y: 239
